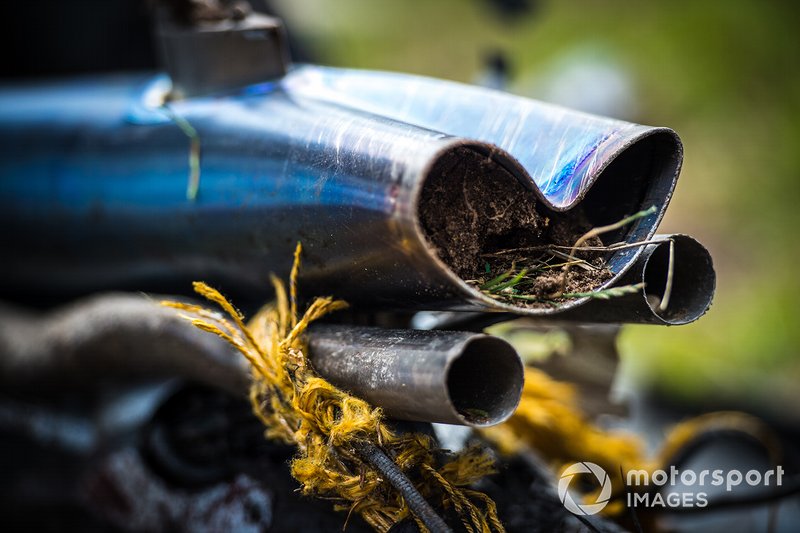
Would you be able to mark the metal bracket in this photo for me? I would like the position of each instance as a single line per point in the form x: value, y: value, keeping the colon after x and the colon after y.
x: 211, y: 56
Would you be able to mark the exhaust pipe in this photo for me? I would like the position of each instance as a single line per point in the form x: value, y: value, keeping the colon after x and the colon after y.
x: 460, y: 378
x: 454, y: 378
x: 676, y: 290
x: 691, y: 291
x: 95, y: 174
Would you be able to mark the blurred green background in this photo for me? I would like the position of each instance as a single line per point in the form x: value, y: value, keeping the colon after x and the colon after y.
x: 724, y: 74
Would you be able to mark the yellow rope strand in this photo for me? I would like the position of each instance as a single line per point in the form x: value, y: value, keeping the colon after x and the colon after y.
x: 298, y: 407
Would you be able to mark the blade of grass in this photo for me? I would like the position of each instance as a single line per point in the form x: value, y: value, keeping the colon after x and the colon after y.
x: 512, y: 282
x: 594, y: 232
x: 574, y: 260
x: 489, y: 285
x: 193, y: 186
x: 605, y: 294
x: 670, y: 270
x: 558, y: 265
x: 550, y: 247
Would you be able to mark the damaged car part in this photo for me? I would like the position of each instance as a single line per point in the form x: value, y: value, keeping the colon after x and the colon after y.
x: 452, y: 377
x: 94, y: 176
x: 433, y: 376
x: 674, y: 267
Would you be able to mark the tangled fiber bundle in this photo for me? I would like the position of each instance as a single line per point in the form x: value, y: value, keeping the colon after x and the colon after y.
x: 331, y: 428
x: 338, y: 435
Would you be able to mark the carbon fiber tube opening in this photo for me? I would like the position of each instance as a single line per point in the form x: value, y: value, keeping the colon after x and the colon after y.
x: 484, y: 382
x: 693, y: 280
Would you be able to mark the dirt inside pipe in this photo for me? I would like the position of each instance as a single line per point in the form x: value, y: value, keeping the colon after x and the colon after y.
x: 477, y: 215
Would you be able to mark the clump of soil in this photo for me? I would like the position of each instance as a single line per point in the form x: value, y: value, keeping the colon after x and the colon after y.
x: 470, y: 202
x: 483, y: 223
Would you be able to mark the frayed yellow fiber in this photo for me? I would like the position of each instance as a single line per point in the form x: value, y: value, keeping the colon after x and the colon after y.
x: 550, y: 421
x: 325, y: 423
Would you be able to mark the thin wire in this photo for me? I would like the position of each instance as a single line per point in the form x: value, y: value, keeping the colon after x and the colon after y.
x: 418, y: 505
x: 547, y: 247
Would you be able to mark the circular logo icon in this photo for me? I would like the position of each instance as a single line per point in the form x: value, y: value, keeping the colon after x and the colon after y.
x: 584, y: 468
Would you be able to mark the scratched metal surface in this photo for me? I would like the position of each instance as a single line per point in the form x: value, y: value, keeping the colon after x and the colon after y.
x: 93, y: 180
x: 422, y: 375
x: 562, y: 150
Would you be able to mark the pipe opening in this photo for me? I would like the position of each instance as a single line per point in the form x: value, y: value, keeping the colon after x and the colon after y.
x: 693, y: 280
x: 470, y: 204
x: 636, y: 179
x: 473, y: 211
x: 484, y: 382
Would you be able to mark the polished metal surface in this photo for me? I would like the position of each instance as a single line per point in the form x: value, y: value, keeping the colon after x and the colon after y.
x: 561, y: 150
x: 94, y: 174
x: 433, y: 376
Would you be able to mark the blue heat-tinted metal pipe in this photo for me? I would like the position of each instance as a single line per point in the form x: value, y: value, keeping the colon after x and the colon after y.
x: 93, y: 181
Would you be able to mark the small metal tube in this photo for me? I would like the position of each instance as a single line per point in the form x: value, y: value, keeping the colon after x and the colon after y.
x: 692, y: 287
x: 434, y: 376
